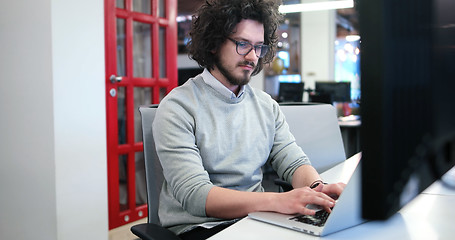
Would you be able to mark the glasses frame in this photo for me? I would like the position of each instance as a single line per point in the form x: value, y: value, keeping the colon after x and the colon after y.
x: 262, y: 47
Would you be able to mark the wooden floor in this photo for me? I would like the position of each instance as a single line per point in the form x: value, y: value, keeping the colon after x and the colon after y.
x: 123, y: 232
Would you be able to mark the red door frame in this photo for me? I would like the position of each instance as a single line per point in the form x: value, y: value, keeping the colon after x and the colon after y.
x: 117, y: 217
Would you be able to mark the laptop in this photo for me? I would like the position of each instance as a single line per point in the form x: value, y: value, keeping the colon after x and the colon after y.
x: 345, y: 214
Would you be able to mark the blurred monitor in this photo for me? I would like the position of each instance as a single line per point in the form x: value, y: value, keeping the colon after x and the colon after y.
x: 329, y: 92
x: 408, y: 117
x: 290, y: 92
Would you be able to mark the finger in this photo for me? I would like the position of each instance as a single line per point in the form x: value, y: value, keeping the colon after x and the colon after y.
x: 312, y: 211
x: 328, y: 209
x: 323, y: 195
x: 328, y: 206
x: 333, y: 190
x: 318, y: 188
x: 334, y: 193
x: 307, y: 211
x: 322, y: 200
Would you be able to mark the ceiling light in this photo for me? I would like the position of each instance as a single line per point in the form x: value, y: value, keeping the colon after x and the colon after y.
x: 316, y: 6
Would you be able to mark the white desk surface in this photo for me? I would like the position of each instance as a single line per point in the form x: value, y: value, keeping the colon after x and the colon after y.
x: 431, y: 215
x: 354, y: 123
x: 349, y: 121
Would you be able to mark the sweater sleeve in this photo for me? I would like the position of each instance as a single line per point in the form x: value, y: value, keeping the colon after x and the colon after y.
x: 286, y: 156
x: 173, y: 130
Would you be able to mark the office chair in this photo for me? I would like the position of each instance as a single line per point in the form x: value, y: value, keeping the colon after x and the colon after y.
x: 316, y: 130
x: 152, y: 230
x: 315, y: 127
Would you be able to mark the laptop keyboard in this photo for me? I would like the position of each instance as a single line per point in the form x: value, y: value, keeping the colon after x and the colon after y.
x: 318, y: 219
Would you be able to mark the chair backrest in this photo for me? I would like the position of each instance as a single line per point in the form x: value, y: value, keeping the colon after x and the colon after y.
x: 316, y: 130
x: 153, y: 170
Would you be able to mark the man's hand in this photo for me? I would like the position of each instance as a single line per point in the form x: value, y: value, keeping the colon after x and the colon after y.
x: 296, y: 201
x: 229, y: 204
x: 332, y: 190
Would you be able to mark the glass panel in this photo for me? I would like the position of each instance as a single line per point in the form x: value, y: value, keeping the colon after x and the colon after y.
x: 121, y: 47
x: 162, y: 40
x: 162, y: 8
x: 123, y: 181
x: 142, y: 50
x: 142, y: 96
x: 141, y: 191
x: 120, y: 3
x: 143, y: 6
x: 121, y: 115
x: 163, y: 92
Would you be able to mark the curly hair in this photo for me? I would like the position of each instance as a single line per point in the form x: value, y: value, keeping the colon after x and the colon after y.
x: 216, y: 20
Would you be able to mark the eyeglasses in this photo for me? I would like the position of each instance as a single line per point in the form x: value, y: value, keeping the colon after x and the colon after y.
x: 243, y: 48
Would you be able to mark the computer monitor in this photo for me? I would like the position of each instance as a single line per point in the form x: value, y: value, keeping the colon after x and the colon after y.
x: 334, y: 91
x: 290, y: 92
x: 407, y: 105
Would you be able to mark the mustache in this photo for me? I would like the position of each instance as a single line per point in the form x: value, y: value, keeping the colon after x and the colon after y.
x: 246, y: 63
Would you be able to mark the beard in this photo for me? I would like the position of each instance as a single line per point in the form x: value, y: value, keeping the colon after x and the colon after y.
x: 243, y: 80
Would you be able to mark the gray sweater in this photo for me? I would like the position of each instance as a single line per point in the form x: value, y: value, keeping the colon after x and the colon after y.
x: 205, y: 139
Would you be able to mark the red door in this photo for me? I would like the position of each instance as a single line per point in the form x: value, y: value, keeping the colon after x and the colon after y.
x: 141, y: 68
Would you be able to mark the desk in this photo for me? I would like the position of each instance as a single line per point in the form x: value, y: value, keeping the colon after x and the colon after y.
x: 430, y: 215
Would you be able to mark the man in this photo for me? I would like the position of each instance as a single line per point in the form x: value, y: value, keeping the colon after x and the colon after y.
x: 214, y: 133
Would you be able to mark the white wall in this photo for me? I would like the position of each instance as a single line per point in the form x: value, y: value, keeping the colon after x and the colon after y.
x: 318, y: 31
x: 183, y: 61
x: 53, y: 181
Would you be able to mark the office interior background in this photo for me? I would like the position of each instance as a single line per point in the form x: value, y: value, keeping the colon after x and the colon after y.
x: 53, y: 98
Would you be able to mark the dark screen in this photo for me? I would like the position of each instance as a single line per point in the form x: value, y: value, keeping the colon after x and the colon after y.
x: 408, y: 117
x: 290, y: 92
x: 336, y: 91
